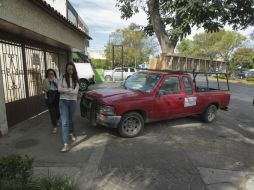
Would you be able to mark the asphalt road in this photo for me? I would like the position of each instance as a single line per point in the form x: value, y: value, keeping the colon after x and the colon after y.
x: 180, y: 154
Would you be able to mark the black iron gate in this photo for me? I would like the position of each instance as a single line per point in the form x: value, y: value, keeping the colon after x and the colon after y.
x: 23, y: 70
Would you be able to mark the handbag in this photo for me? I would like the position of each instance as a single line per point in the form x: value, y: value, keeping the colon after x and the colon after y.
x: 52, y: 97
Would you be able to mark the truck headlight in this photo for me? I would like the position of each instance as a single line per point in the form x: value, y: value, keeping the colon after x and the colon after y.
x: 107, y: 110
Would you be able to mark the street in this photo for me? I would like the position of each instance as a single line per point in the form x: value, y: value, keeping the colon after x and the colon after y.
x: 179, y: 154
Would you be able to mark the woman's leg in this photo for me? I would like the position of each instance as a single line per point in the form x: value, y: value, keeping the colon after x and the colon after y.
x: 64, y: 113
x: 57, y: 111
x: 52, y: 114
x: 72, y: 109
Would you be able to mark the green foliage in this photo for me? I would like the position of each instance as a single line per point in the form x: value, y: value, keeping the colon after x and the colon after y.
x: 243, y: 57
x: 101, y: 63
x: 212, y: 45
x: 181, y: 15
x: 15, y: 169
x: 186, y: 47
x: 50, y: 182
x: 136, y: 45
x: 16, y: 174
x: 250, y: 79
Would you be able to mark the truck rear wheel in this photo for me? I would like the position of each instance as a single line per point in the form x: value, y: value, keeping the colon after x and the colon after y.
x: 108, y: 78
x: 83, y: 86
x: 210, y: 114
x: 131, y: 125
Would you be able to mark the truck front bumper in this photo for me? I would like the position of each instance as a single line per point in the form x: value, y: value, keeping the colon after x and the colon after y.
x: 108, y: 121
x: 88, y: 109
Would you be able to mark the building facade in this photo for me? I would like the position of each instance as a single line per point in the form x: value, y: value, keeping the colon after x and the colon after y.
x: 34, y: 36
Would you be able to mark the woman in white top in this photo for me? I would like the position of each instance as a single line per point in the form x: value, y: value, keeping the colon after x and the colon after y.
x: 68, y: 87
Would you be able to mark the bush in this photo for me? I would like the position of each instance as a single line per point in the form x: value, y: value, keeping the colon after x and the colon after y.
x: 16, y: 174
x: 15, y: 171
x: 53, y: 183
x: 220, y: 77
x: 250, y: 79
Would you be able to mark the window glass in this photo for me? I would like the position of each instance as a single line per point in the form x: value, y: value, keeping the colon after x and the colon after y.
x: 144, y: 82
x: 171, y: 85
x: 118, y: 70
x: 187, y: 85
x: 132, y: 70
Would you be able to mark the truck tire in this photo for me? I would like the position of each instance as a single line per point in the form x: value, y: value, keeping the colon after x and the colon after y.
x: 83, y: 85
x: 131, y: 125
x: 108, y: 78
x: 209, y: 114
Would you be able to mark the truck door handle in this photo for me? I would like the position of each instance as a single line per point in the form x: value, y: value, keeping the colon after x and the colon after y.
x: 180, y: 98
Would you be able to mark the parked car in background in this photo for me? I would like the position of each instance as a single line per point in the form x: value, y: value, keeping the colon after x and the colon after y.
x: 117, y: 73
x: 250, y: 74
x: 85, y: 71
x: 242, y: 74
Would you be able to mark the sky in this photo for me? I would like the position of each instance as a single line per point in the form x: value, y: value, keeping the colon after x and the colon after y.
x: 103, y: 17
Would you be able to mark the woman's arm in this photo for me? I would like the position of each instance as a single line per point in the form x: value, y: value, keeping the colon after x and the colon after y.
x: 61, y: 87
x: 74, y: 91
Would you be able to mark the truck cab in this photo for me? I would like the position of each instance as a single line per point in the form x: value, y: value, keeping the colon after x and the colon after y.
x: 149, y: 96
x: 118, y: 73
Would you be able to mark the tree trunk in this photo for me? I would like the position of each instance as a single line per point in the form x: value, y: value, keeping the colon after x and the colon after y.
x: 167, y: 45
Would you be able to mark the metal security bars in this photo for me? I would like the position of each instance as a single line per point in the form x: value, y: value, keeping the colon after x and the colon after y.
x: 52, y: 61
x: 35, y: 68
x: 12, y: 71
x: 23, y: 69
x: 23, y: 64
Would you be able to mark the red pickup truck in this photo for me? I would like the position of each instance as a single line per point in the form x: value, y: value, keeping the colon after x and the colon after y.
x: 149, y: 96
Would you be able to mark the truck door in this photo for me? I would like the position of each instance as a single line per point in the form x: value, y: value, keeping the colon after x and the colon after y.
x: 190, y: 99
x: 117, y: 75
x: 170, y: 99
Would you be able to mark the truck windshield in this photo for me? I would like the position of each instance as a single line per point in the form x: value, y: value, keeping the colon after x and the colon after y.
x: 144, y: 82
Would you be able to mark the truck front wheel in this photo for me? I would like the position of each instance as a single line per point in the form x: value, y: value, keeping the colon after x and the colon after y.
x: 131, y: 125
x: 210, y: 114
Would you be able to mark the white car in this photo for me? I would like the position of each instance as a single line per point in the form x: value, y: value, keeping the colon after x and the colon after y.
x: 117, y: 73
x: 86, y: 75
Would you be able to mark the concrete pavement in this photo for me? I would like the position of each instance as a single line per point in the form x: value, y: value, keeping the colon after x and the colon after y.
x: 179, y: 154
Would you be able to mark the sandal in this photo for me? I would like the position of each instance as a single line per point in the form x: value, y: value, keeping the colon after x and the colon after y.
x: 73, y: 138
x: 65, y: 148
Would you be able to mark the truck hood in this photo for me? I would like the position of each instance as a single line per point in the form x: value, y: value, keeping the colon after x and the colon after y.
x: 109, y: 95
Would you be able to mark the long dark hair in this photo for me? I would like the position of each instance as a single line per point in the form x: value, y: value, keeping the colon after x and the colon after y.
x: 47, y: 73
x: 74, y: 76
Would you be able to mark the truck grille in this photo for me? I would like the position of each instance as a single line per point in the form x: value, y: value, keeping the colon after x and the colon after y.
x: 90, y: 108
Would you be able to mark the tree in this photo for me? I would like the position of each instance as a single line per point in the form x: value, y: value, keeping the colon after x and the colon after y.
x: 138, y: 47
x: 172, y: 20
x: 243, y: 57
x: 100, y: 63
x: 212, y: 45
x: 186, y: 47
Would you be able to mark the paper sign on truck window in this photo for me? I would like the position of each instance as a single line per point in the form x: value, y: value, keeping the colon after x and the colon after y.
x: 191, y: 101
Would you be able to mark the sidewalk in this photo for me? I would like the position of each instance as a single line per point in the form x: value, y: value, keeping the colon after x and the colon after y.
x: 34, y: 138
